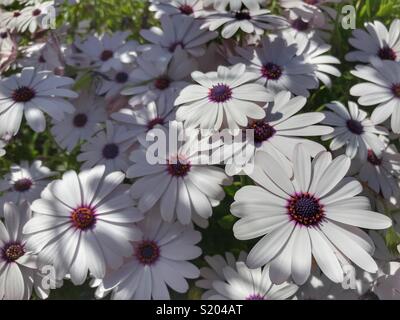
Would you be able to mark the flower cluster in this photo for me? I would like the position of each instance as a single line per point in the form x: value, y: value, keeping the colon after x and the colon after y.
x: 209, y: 121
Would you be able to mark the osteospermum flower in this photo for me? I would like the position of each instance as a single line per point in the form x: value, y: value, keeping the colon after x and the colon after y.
x: 8, y: 49
x: 250, y: 19
x: 381, y: 171
x: 105, y: 52
x: 278, y: 66
x: 315, y: 215
x: 177, y: 179
x: 175, y: 7
x: 215, y: 271
x: 243, y: 283
x: 223, y: 96
x: 311, y: 9
x: 277, y: 134
x: 376, y: 42
x: 25, y: 182
x: 31, y: 93
x: 44, y: 56
x: 114, y: 81
x: 382, y: 88
x: 140, y: 121
x: 81, y: 125
x: 314, y: 53
x: 179, y: 31
x: 84, y: 223
x: 310, y: 28
x: 109, y: 147
x: 159, y: 260
x: 19, y: 268
x: 352, y: 130
x: 37, y: 16
x: 159, y: 76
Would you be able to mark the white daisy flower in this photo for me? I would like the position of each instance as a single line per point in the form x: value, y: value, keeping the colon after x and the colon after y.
x: 2, y: 146
x: 314, y: 53
x: 19, y: 273
x: 105, y: 52
x: 44, y: 57
x: 25, y: 182
x: 381, y: 171
x: 31, y: 93
x: 311, y: 9
x: 114, y: 81
x: 84, y: 223
x: 278, y: 66
x: 175, y: 7
x: 215, y: 271
x: 159, y: 76
x: 312, y: 28
x: 109, y: 147
x: 160, y: 260
x: 223, y: 96
x: 250, y: 19
x: 243, y: 283
x: 33, y: 17
x: 142, y: 120
x: 178, y: 31
x: 353, y: 130
x: 180, y: 183
x: 317, y: 214
x: 376, y: 41
x: 382, y: 88
x: 9, y: 19
x: 90, y: 111
x: 276, y: 134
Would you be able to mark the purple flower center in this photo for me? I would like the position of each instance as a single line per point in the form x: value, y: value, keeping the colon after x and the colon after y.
x: 3, y: 35
x: 23, y: 94
x: 242, y: 15
x: 396, y: 90
x: 41, y: 59
x: 387, y: 53
x: 173, y: 46
x: 23, y: 185
x: 255, y: 296
x: 36, y: 12
x: 16, y: 14
x: 121, y: 77
x: 305, y: 209
x: 373, y: 159
x: 220, y: 93
x: 355, y: 126
x: 300, y: 25
x: 312, y: 2
x: 178, y: 167
x: 80, y: 120
x: 12, y: 252
x: 262, y: 130
x: 186, y: 9
x: 83, y: 218
x: 271, y: 71
x: 152, y: 123
x: 147, y: 252
x: 110, y: 151
x: 106, y: 55
x: 162, y: 83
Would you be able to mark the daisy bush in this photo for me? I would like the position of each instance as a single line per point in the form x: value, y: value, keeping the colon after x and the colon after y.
x: 199, y: 149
